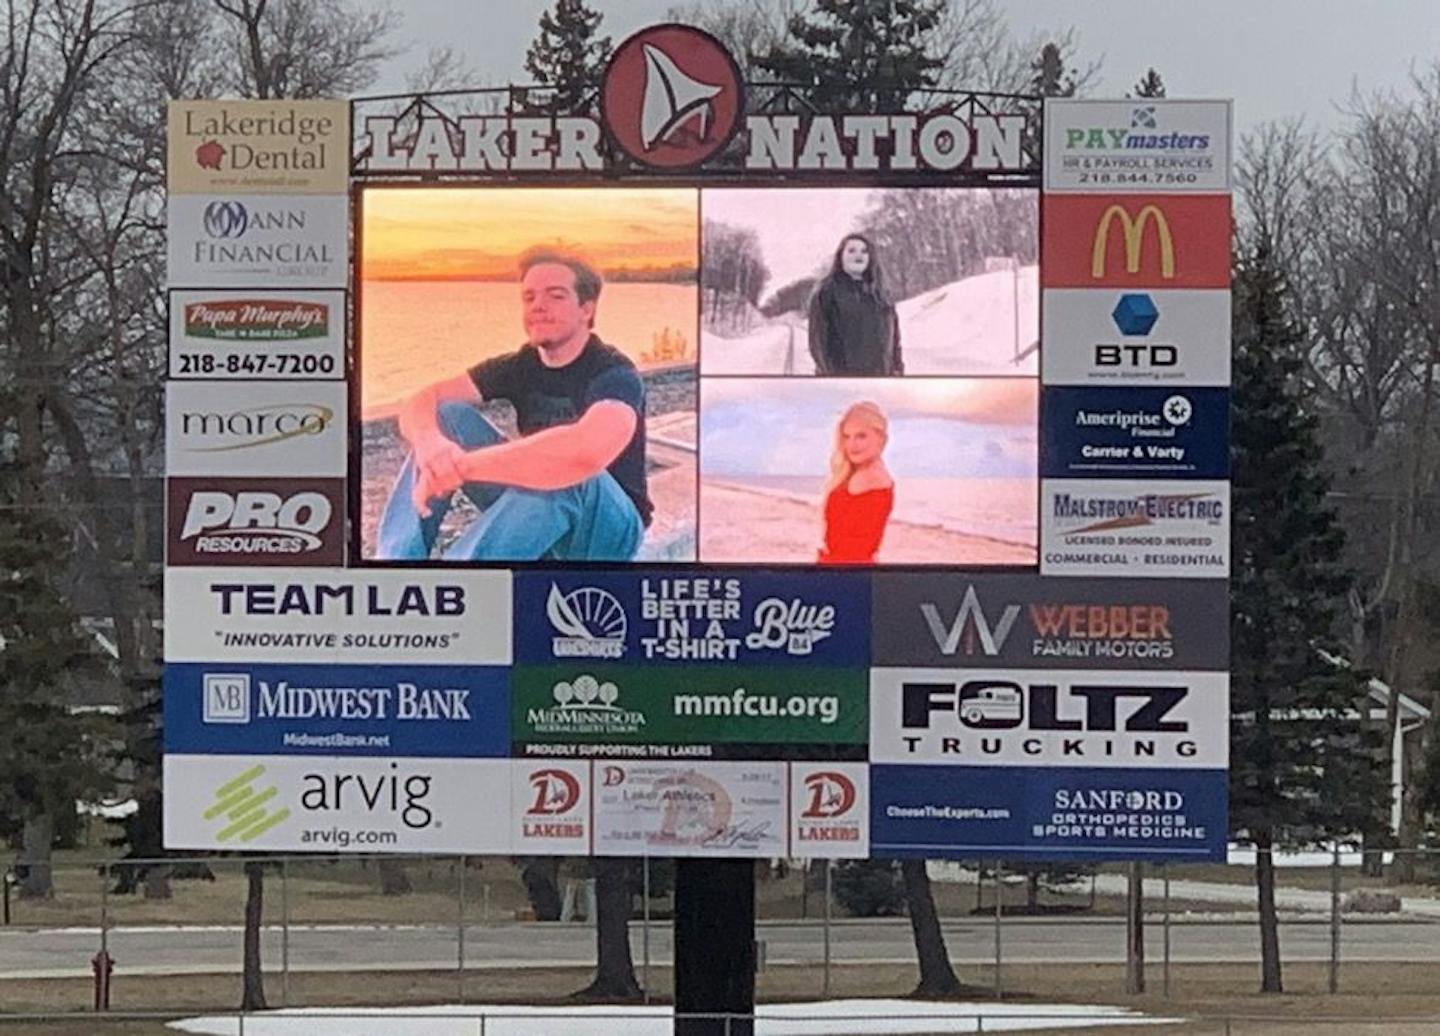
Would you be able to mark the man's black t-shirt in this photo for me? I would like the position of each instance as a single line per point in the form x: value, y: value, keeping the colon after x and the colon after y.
x: 544, y: 397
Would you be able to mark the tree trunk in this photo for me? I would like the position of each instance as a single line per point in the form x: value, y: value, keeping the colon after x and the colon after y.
x: 157, y: 883
x: 252, y: 997
x: 614, y: 967
x: 1372, y: 861
x: 541, y: 875
x: 714, y: 947
x: 937, y: 976
x: 393, y: 879
x: 1135, y: 929
x: 1270, y: 980
x: 39, y: 837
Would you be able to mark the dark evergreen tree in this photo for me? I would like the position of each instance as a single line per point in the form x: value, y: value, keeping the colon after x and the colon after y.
x: 1304, y: 767
x: 52, y: 755
x: 141, y: 832
x: 1050, y: 77
x: 1150, y: 85
x: 567, y: 55
x: 860, y: 55
x: 869, y: 888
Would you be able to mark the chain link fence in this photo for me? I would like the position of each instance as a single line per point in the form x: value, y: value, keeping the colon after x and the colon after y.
x: 347, y: 930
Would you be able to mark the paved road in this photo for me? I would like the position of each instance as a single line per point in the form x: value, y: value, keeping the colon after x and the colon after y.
x: 65, y: 952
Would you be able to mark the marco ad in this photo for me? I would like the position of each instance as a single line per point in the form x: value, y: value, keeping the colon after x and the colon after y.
x: 760, y: 618
x: 1137, y: 145
x: 983, y: 620
x: 1114, y: 527
x: 337, y: 710
x: 270, y: 428
x: 321, y: 615
x: 720, y: 712
x: 1047, y: 813
x: 1020, y: 717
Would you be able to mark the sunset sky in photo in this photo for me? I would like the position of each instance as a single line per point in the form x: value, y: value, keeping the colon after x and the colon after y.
x: 940, y: 427
x: 477, y: 233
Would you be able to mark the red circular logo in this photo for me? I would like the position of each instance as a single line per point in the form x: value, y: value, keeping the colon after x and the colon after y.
x: 672, y: 96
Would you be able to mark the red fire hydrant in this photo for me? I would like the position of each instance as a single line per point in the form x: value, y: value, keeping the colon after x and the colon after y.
x: 103, y: 965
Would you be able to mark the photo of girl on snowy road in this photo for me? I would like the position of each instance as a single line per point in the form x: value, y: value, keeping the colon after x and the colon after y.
x: 844, y: 282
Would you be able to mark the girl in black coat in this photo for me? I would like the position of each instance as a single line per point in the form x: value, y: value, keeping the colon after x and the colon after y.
x: 853, y: 326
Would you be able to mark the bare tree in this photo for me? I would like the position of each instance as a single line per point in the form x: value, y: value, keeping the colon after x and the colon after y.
x: 1353, y: 224
x: 1394, y: 151
x: 746, y: 28
x: 59, y: 65
x: 305, y: 48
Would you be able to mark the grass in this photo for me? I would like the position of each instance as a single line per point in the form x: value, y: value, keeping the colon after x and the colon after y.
x: 1376, y: 999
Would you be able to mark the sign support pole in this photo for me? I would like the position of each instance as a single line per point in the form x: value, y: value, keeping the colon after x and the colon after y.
x: 714, y: 947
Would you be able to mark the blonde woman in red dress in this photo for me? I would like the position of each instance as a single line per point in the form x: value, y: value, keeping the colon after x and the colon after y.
x: 860, y: 493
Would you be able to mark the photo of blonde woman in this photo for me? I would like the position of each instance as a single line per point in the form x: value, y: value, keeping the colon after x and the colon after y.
x: 860, y: 493
x: 889, y: 471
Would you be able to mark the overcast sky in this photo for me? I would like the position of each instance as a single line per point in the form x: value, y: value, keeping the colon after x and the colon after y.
x: 1276, y: 58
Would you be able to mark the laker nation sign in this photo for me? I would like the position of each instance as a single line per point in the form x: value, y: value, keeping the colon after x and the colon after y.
x: 1135, y: 241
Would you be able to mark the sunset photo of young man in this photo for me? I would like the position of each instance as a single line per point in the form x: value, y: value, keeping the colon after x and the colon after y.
x: 478, y: 449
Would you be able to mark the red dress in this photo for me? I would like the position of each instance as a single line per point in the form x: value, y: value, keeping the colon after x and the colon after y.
x: 854, y: 524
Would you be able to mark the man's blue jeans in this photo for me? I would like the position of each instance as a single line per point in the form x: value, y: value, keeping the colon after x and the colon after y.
x: 592, y: 521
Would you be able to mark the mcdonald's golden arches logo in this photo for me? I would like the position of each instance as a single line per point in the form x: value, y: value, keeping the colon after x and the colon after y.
x: 1135, y: 241
x: 1133, y: 229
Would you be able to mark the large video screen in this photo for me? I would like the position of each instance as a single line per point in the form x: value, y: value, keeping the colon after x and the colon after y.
x: 778, y: 376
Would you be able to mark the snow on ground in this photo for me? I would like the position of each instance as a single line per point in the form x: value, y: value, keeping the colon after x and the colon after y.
x: 780, y: 347
x: 980, y: 325
x: 829, y: 1018
x: 986, y: 324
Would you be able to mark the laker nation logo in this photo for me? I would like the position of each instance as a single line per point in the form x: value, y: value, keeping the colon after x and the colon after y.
x: 672, y: 96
